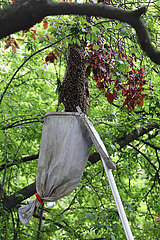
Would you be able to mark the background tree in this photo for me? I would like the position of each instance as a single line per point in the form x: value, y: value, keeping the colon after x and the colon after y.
x: 124, y: 107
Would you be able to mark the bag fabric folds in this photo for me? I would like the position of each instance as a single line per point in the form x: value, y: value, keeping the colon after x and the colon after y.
x: 64, y: 151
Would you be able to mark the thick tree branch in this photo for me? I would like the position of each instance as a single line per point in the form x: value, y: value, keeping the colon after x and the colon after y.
x: 23, y: 160
x: 23, y: 14
x: 26, y: 192
x: 135, y: 134
x: 93, y: 158
x: 19, y: 196
x: 30, y: 190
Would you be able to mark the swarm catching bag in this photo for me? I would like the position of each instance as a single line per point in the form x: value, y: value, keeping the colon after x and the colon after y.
x: 64, y: 151
x: 66, y: 142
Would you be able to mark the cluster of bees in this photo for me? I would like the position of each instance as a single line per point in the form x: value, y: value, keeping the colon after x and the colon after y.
x: 73, y: 90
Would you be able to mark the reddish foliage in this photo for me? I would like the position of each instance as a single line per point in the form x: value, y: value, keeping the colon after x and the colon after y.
x: 102, y: 63
x: 109, y: 97
x: 33, y: 34
x: 45, y: 24
x: 47, y: 37
x: 50, y: 57
x: 133, y: 93
x: 57, y: 52
x: 101, y: 85
x: 108, y: 2
x: 32, y: 31
x: 11, y: 42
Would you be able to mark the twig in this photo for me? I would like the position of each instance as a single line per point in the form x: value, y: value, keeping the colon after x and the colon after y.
x: 40, y: 222
x: 143, y: 156
x: 151, y: 145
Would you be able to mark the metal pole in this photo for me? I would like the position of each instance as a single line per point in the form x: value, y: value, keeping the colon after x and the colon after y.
x: 118, y: 201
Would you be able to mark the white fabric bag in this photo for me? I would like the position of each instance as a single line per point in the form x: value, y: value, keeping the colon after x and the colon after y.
x: 64, y: 151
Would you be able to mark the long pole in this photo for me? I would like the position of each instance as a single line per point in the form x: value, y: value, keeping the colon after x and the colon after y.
x: 118, y: 201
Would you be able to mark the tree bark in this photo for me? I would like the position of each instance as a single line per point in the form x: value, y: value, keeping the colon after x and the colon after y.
x: 15, y: 199
x: 135, y: 134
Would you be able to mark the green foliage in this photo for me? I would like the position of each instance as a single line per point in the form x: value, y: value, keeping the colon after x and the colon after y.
x: 90, y: 211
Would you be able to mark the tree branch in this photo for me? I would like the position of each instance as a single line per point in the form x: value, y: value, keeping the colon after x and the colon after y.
x: 23, y: 14
x: 93, y: 158
x: 30, y: 190
x: 23, y: 160
x: 150, y: 162
x: 26, y: 192
x: 26, y: 60
x: 151, y: 145
x: 135, y: 134
x: 19, y: 196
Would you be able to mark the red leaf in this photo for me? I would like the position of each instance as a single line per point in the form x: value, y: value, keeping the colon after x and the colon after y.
x: 141, y: 98
x: 34, y: 31
x: 33, y: 36
x: 101, y: 86
x: 57, y: 52
x: 50, y: 58
x: 109, y: 97
x: 20, y: 40
x: 14, y: 48
x: 131, y: 63
x: 45, y: 24
x: 47, y: 37
x: 115, y: 94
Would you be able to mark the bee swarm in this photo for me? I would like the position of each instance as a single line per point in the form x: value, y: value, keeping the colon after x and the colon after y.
x: 73, y: 92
